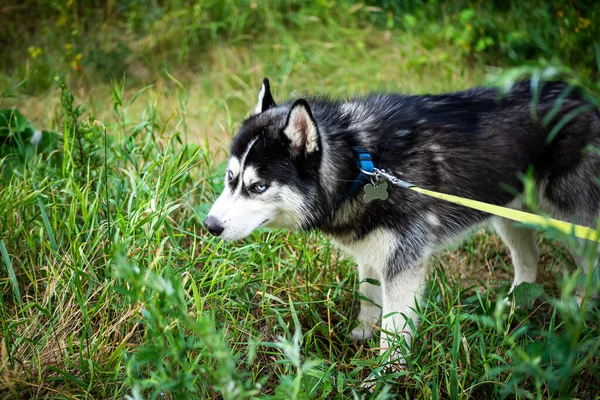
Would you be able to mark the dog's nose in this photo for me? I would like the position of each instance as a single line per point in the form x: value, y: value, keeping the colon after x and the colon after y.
x: 213, y: 225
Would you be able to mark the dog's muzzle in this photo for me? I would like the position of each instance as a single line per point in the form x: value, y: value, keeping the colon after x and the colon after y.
x: 214, y: 225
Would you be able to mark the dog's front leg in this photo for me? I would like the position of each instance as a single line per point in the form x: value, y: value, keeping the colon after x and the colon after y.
x: 401, y: 289
x: 370, y: 304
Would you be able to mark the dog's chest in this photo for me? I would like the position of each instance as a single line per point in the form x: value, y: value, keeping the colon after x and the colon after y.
x: 374, y: 251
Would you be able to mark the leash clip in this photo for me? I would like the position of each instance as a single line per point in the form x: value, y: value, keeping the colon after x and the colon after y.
x: 392, y: 179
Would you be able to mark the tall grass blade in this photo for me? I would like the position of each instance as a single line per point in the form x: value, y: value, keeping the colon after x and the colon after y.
x: 46, y: 221
x: 11, y: 271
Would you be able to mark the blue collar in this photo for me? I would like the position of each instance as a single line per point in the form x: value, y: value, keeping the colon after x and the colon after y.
x: 364, y: 162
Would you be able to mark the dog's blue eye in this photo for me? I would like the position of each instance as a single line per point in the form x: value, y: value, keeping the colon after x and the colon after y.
x: 229, y: 175
x: 259, y: 188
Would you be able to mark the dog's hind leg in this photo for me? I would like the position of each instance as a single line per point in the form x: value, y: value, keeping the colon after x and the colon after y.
x: 370, y: 304
x: 589, y: 258
x: 523, y: 249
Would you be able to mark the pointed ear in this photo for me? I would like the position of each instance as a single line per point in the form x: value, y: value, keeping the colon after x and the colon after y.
x: 301, y: 129
x: 265, y: 99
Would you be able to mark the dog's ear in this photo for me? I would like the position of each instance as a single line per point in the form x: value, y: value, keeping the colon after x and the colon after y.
x: 265, y: 99
x: 301, y: 129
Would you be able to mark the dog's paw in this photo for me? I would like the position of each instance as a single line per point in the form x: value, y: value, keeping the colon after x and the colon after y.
x: 370, y: 384
x: 363, y: 331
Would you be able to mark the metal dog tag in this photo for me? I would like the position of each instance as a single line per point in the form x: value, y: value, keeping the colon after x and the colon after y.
x: 375, y: 192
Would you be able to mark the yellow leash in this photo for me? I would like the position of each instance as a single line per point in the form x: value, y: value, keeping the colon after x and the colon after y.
x: 579, y: 231
x: 582, y: 232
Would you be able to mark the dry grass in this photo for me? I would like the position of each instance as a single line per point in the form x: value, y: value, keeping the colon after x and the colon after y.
x: 218, y: 94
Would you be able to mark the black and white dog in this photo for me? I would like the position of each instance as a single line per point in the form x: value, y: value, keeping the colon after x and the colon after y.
x: 293, y: 166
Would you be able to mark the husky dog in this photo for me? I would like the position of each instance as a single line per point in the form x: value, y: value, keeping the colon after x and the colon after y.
x: 292, y: 166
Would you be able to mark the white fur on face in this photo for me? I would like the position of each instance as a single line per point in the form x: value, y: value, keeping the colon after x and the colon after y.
x: 234, y: 167
x: 290, y: 208
x: 250, y: 176
x: 278, y: 207
x: 240, y: 212
x: 240, y: 215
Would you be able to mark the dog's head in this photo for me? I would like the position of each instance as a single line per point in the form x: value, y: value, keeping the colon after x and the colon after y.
x: 272, y: 170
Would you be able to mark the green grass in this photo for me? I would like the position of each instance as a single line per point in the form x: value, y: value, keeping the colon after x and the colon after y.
x: 111, y: 286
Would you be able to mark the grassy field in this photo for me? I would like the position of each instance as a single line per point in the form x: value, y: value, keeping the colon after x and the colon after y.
x: 111, y: 287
